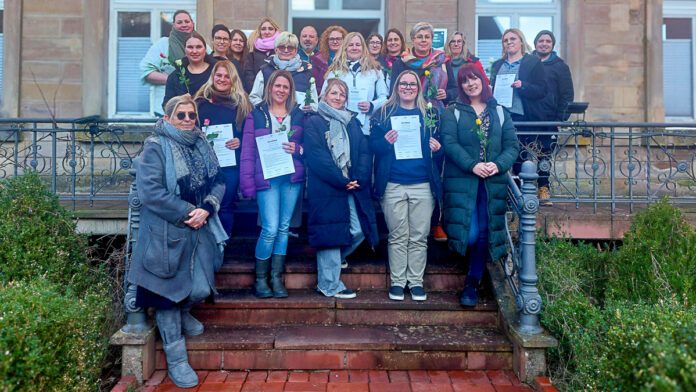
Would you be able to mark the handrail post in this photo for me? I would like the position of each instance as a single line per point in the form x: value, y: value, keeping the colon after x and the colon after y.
x: 528, y: 298
x: 136, y: 320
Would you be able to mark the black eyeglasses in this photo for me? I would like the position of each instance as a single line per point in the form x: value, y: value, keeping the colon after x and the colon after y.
x: 408, y: 85
x: 286, y: 48
x: 182, y: 115
x: 336, y: 39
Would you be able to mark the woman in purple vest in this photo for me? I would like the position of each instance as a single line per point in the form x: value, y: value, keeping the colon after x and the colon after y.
x: 276, y: 194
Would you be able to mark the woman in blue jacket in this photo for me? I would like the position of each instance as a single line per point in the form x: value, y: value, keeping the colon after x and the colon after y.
x: 341, y: 211
x: 406, y: 186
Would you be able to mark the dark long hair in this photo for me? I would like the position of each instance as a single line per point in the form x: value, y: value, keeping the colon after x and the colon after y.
x: 468, y: 71
x: 245, y: 51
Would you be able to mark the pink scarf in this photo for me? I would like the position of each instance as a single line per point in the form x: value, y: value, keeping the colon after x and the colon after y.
x: 266, y: 44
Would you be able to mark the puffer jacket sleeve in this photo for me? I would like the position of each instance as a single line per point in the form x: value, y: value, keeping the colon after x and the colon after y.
x: 454, y: 151
x: 249, y: 155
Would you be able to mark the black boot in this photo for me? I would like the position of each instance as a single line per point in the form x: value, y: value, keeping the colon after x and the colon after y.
x: 277, y: 264
x: 261, y: 289
x: 470, y: 295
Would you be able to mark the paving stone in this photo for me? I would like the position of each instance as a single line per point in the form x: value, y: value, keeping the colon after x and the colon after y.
x: 236, y: 376
x: 378, y: 376
x: 405, y: 360
x: 277, y: 375
x: 450, y: 338
x: 398, y: 376
x: 347, y: 387
x: 305, y: 387
x: 319, y: 377
x: 512, y: 388
x: 258, y: 386
x: 257, y: 375
x: 498, y: 378
x: 226, y: 387
x: 338, y: 376
x: 358, y: 376
x: 428, y: 387
x: 157, y: 377
x: 472, y: 388
x: 298, y: 377
x: 418, y: 376
x: 469, y: 377
x: 334, y: 338
x: 215, y: 377
x: 390, y: 387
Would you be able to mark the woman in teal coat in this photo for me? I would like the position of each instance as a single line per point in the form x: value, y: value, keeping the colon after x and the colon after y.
x: 480, y: 147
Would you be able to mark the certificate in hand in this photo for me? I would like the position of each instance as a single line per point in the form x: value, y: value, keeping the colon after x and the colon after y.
x: 408, y: 143
x: 503, y: 89
x: 355, y: 95
x: 219, y: 135
x: 275, y: 162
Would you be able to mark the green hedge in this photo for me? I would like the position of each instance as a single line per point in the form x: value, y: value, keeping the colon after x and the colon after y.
x: 624, y: 317
x: 55, y: 305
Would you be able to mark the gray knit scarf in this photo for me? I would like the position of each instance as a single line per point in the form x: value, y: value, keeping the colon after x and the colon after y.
x: 337, y: 136
x: 291, y: 65
x: 177, y: 43
x: 187, y: 153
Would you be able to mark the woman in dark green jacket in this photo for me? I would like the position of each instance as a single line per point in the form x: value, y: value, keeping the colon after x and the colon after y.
x: 480, y: 147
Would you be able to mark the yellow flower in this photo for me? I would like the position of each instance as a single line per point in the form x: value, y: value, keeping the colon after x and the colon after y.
x: 178, y: 62
x: 429, y: 105
x: 478, y: 121
x: 427, y: 73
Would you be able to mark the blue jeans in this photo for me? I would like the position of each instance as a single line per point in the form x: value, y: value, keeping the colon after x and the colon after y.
x: 329, y: 260
x: 275, y: 208
x: 226, y: 212
x: 478, y: 234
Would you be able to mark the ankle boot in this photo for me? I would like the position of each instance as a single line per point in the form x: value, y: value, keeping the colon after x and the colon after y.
x: 277, y: 264
x: 178, y: 367
x: 189, y: 325
x: 470, y: 295
x: 261, y: 289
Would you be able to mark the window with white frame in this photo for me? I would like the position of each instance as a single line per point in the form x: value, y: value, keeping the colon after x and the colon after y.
x: 134, y: 26
x: 364, y: 16
x: 679, y: 81
x: 493, y: 17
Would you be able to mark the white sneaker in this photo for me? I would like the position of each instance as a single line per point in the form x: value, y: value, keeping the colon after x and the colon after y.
x: 346, y: 294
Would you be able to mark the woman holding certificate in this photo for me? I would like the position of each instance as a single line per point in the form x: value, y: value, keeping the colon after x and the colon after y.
x: 341, y: 211
x: 480, y: 147
x: 272, y: 171
x: 367, y: 89
x: 180, y: 239
x: 222, y: 107
x: 404, y: 138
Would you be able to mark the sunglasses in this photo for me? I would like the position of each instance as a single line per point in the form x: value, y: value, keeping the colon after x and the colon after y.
x: 284, y: 48
x: 182, y: 115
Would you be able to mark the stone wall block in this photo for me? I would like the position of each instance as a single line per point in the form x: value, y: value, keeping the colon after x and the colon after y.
x: 599, y: 96
x: 436, y: 13
x: 66, y: 91
x: 62, y: 7
x: 39, y: 26
x: 71, y: 27
x: 53, y: 49
x: 597, y: 14
x: 619, y: 17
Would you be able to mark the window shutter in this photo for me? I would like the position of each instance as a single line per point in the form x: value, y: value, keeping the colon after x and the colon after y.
x: 131, y: 94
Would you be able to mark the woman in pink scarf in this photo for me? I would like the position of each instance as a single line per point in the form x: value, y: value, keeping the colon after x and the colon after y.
x: 261, y: 44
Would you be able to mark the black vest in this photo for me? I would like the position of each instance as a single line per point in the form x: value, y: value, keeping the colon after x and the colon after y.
x: 300, y: 77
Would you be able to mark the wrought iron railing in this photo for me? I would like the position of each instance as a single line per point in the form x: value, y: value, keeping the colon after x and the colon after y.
x: 588, y: 162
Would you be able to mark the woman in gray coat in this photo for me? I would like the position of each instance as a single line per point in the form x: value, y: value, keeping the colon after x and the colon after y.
x: 480, y: 147
x: 181, y: 239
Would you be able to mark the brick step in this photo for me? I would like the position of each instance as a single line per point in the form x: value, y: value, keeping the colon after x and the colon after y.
x: 308, y: 307
x: 309, y: 347
x: 445, y: 269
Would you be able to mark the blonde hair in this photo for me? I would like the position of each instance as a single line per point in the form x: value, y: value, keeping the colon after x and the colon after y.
x: 237, y: 93
x: 394, y: 100
x: 290, y: 102
x: 257, y: 33
x: 286, y: 38
x: 525, y: 46
x: 175, y: 102
x: 340, y: 62
x: 465, y: 51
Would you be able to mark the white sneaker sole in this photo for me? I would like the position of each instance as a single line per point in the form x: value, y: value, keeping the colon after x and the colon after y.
x: 419, y: 297
x: 396, y: 297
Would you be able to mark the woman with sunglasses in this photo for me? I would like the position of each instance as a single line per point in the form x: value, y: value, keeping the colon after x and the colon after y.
x: 196, y: 67
x: 287, y: 58
x: 180, y: 240
x: 222, y: 100
x: 276, y: 196
x: 261, y: 43
x: 480, y: 147
x: 329, y: 43
x: 341, y: 210
x: 367, y: 89
x: 407, y: 186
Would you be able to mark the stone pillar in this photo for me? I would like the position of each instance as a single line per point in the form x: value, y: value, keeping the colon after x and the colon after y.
x: 278, y: 10
x: 466, y: 22
x: 204, y: 19
x: 396, y: 16
x: 94, y: 57
x: 654, y: 89
x: 12, y: 56
x: 574, y: 43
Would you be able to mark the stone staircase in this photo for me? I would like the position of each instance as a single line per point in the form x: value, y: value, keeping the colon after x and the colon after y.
x: 308, y: 331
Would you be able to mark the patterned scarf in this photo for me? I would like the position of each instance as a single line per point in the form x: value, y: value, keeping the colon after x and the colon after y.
x: 337, y: 136
x: 438, y: 75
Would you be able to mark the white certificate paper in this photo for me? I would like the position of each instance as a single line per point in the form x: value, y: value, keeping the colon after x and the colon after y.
x: 355, y: 95
x: 408, y: 143
x: 275, y: 162
x: 219, y: 135
x: 503, y: 90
